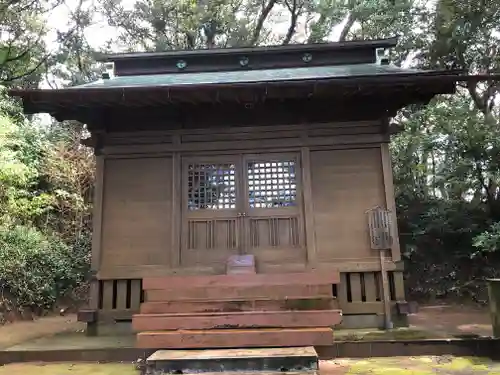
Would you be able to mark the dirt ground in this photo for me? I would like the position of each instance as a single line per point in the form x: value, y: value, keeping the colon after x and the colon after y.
x: 16, y: 333
x: 438, y: 321
x: 453, y: 320
x: 69, y: 368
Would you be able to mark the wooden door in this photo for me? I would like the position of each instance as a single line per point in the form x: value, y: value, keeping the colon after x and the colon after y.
x: 211, y: 225
x: 242, y: 204
x: 272, y: 216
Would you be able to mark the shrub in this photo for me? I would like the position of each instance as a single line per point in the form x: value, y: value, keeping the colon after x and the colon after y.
x: 35, y: 268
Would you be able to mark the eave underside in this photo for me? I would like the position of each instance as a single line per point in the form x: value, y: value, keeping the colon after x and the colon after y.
x: 303, y: 101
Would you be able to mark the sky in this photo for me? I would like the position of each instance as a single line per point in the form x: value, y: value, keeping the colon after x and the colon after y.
x: 59, y: 19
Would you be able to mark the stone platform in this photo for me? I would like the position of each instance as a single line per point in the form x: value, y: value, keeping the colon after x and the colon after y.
x: 300, y: 360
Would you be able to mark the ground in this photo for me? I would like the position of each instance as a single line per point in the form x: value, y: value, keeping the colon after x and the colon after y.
x: 425, y: 365
x: 375, y: 366
x: 443, y: 321
x: 69, y: 368
x: 59, y: 332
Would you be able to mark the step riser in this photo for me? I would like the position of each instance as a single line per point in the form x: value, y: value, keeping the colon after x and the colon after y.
x: 239, y: 293
x: 255, y: 280
x: 236, y: 364
x: 283, y: 319
x: 229, y: 306
x: 235, y: 338
x: 241, y: 361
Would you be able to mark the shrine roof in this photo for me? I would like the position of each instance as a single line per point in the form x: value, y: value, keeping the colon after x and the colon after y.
x: 345, y: 72
x: 254, y: 76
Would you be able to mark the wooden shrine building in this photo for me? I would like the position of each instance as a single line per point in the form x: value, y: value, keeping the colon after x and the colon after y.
x: 248, y: 189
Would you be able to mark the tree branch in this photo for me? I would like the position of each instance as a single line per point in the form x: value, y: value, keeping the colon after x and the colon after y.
x: 266, y: 9
x: 294, y: 10
x: 351, y: 18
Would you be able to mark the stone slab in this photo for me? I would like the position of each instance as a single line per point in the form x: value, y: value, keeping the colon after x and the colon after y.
x: 300, y: 359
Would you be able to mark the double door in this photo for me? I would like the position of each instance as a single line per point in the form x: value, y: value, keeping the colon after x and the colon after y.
x: 242, y: 204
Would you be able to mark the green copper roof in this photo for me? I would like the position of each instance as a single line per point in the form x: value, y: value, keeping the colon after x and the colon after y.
x: 250, y: 76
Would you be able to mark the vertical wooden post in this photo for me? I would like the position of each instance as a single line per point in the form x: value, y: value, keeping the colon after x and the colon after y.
x: 386, y: 293
x: 390, y: 201
x: 175, y: 251
x: 494, y: 302
x: 96, y: 237
x: 312, y: 259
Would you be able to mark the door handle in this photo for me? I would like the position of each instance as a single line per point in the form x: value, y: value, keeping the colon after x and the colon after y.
x: 240, y: 214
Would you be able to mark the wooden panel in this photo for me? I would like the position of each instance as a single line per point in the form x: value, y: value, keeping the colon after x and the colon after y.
x: 246, y: 319
x: 249, y: 146
x: 370, y: 287
x: 310, y: 303
x: 108, y: 296
x: 360, y: 308
x: 345, y: 184
x: 145, y: 271
x: 231, y: 134
x: 259, y: 280
x: 342, y: 289
x: 137, y: 212
x: 399, y: 286
x: 355, y: 287
x: 135, y: 294
x: 226, y: 338
x: 237, y: 292
x: 121, y: 294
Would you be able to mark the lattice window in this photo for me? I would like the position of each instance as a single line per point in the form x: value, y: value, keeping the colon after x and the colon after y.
x: 272, y: 184
x: 211, y: 186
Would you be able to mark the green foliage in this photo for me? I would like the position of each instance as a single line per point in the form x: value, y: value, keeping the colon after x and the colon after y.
x: 489, y: 241
x: 44, y: 212
x: 35, y: 268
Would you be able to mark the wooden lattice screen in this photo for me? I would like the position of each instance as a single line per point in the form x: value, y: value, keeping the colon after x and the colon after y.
x: 379, y: 222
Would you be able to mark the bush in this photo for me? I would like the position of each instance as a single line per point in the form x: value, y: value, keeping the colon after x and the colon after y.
x: 35, y: 268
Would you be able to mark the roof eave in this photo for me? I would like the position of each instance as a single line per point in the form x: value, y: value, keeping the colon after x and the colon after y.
x: 333, y: 46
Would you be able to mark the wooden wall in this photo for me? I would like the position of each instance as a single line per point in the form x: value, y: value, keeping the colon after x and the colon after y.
x: 136, y: 215
x: 345, y: 184
x: 349, y: 174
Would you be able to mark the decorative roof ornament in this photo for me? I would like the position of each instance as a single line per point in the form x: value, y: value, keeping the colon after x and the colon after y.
x: 244, y: 61
x: 307, y: 57
x: 181, y: 64
x: 109, y: 71
x: 381, y: 56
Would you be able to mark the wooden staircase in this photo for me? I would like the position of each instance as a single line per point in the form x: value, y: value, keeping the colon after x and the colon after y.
x: 237, y: 311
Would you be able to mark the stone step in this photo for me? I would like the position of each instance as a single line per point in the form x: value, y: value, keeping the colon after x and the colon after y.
x: 241, y: 280
x: 300, y: 359
x: 235, y: 338
x: 304, y: 372
x: 245, y: 319
x: 229, y: 305
x: 290, y: 291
